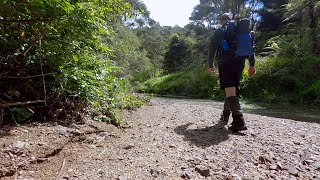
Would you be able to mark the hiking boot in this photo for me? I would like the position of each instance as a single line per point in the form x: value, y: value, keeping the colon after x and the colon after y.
x: 225, y: 115
x: 238, y: 123
x: 226, y: 110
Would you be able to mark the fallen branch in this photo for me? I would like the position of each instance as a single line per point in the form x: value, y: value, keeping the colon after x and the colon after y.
x: 22, y: 103
x: 26, y: 77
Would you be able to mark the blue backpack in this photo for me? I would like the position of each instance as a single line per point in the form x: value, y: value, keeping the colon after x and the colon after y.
x: 238, y: 40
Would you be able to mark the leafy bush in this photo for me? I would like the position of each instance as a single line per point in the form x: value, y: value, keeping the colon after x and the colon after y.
x: 197, y: 83
x: 284, y: 78
x: 312, y: 93
x: 71, y: 40
x: 298, y: 44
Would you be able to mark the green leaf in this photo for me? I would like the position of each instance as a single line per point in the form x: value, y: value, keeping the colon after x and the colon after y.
x: 75, y: 58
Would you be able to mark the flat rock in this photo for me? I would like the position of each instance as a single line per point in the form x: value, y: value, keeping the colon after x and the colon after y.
x: 293, y: 170
x: 19, y: 145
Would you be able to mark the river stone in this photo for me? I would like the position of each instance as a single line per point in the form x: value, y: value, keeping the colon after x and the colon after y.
x: 203, y: 170
x: 194, y: 161
x: 279, y: 165
x: 19, y: 145
x: 317, y: 166
x: 154, y: 173
x: 264, y: 159
x: 63, y: 131
x: 122, y: 178
x: 172, y: 146
x: 130, y: 146
x: 236, y: 177
x: 293, y: 170
x: 187, y: 174
x: 273, y: 167
x: 292, y: 177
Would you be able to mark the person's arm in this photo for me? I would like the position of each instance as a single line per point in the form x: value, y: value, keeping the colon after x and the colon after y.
x: 213, y: 47
x: 252, y: 69
x: 252, y: 60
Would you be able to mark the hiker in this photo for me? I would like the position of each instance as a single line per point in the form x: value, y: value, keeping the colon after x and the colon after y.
x: 230, y: 66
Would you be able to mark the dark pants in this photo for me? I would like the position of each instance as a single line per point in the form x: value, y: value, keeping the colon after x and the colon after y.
x: 230, y: 72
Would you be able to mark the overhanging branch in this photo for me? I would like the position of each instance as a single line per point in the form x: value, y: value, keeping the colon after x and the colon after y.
x: 30, y: 21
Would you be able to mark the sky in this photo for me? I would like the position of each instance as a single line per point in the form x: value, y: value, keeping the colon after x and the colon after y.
x: 171, y: 12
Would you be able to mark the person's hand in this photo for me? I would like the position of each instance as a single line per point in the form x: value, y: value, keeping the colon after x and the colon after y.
x: 252, y: 70
x: 212, y: 69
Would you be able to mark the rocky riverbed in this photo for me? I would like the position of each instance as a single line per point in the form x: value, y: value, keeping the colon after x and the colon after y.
x: 174, y: 139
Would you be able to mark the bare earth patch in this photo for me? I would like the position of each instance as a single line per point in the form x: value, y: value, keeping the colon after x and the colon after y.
x: 173, y: 139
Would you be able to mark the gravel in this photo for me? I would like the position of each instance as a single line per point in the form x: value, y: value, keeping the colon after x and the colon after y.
x: 180, y: 139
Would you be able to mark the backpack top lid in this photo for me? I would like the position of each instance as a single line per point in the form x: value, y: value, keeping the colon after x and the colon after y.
x: 243, y: 25
x: 231, y: 26
x: 230, y: 32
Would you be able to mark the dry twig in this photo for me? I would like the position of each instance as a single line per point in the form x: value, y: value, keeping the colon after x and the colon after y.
x: 61, y: 169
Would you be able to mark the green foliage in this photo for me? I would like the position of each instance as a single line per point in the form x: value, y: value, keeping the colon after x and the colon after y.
x: 194, y: 60
x: 70, y: 38
x: 140, y: 15
x: 197, y: 83
x: 289, y: 74
x: 262, y: 40
x: 307, y: 11
x: 312, y: 93
x: 95, y: 59
x: 272, y: 15
x: 284, y: 78
x: 202, y: 14
x: 19, y: 114
x: 177, y: 51
x: 298, y: 8
x: 293, y: 45
x: 153, y: 42
x: 128, y: 54
x: 206, y: 13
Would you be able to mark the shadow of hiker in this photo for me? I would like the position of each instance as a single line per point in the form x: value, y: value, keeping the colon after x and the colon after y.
x: 205, y: 137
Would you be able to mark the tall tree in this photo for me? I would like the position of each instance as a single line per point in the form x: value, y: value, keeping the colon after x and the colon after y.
x: 175, y: 54
x: 207, y: 12
x: 140, y: 16
x: 153, y: 42
x: 203, y: 14
x: 272, y: 14
x: 311, y: 10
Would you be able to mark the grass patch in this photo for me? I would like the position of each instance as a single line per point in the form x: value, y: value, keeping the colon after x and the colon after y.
x: 198, y: 83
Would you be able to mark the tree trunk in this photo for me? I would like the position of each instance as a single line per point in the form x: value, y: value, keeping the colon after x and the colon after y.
x: 313, y: 17
x: 313, y: 26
